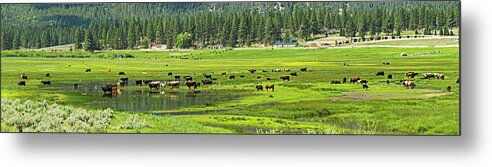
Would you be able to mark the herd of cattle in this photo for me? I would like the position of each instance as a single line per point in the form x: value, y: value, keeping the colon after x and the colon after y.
x: 189, y: 82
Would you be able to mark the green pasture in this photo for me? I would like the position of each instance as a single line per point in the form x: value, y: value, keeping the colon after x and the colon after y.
x: 307, y: 104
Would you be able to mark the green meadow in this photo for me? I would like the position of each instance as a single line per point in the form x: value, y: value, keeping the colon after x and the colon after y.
x: 307, y: 104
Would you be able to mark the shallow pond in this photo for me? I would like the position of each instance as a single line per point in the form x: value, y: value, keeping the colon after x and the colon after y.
x: 142, y: 98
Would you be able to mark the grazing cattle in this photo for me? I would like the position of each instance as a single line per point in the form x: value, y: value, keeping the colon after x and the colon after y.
x: 287, y: 70
x: 293, y: 73
x: 75, y: 86
x: 403, y: 54
x: 408, y: 84
x: 223, y: 73
x: 147, y: 81
x: 252, y: 70
x: 390, y: 76
x: 428, y: 75
x: 139, y: 82
x: 268, y: 79
x: 387, y: 63
x: 264, y: 70
x: 191, y: 83
x: 303, y: 69
x: 70, y: 65
x: 335, y: 82
x: 169, y: 73
x: 242, y: 76
x: 23, y: 76
x: 208, y: 76
x: 47, y: 75
x: 285, y: 78
x: 458, y: 80
x: 259, y: 87
x: 387, y: 82
x: 155, y: 85
x: 177, y: 77
x: 232, y: 77
x: 344, y: 80
x: 449, y: 88
x: 88, y: 70
x: 121, y: 73
x: 365, y: 87
x: 439, y: 76
x: 270, y: 86
x: 188, y: 78
x: 276, y: 70
x: 411, y: 74
x: 354, y: 80
x: 380, y: 73
x: 172, y: 84
x: 107, y: 89
x: 21, y: 83
x: 46, y: 82
x: 258, y: 77
x: 362, y: 82
x: 206, y: 82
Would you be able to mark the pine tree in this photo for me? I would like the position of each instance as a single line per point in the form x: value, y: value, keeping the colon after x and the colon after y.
x: 89, y: 44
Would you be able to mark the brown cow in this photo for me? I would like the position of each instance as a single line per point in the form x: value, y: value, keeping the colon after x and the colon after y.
x: 408, y: 83
x: 411, y: 74
x: 270, y: 86
x: 191, y: 83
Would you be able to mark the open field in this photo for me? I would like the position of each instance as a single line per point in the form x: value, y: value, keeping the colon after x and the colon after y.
x: 307, y: 104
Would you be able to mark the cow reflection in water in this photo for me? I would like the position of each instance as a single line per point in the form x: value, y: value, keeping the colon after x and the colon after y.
x: 111, y: 90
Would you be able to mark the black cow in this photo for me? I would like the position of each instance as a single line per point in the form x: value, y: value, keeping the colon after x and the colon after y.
x: 458, y: 80
x: 208, y: 76
x: 354, y: 80
x: 335, y: 82
x: 258, y: 77
x: 121, y: 73
x: 380, y: 73
x: 177, y: 77
x: 46, y: 82
x: 362, y: 82
x: 293, y: 73
x: 169, y: 73
x: 21, y: 83
x: 188, y: 78
x: 242, y: 76
x: 285, y: 78
x: 47, y: 75
x: 365, y: 87
x: 88, y: 70
x: 206, y: 82
x: 264, y: 70
x: 124, y: 80
x: 449, y: 88
x: 232, y: 77
x: 23, y: 76
x: 268, y: 79
x: 390, y: 76
x: 75, y: 86
x: 146, y: 81
x: 344, y: 80
x: 303, y: 69
x: 139, y: 82
x: 259, y: 87
x: 387, y: 82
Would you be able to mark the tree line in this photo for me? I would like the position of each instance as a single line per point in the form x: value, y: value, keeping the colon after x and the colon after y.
x: 200, y: 25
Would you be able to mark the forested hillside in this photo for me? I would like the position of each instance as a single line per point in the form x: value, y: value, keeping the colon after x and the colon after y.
x: 141, y: 25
